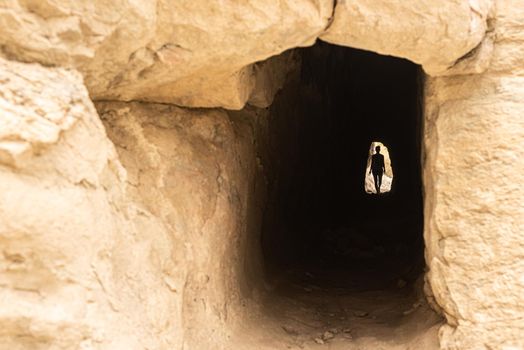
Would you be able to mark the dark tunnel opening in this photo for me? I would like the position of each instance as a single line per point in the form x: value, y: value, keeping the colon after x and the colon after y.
x: 319, y: 223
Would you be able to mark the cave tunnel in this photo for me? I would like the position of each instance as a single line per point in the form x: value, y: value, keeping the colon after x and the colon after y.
x: 320, y: 226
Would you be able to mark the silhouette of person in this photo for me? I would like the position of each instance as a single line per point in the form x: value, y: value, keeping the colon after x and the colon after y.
x: 377, y: 168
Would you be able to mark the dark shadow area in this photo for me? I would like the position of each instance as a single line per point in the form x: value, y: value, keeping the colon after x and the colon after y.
x: 319, y: 223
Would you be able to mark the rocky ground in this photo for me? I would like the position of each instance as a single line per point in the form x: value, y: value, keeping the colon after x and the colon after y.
x: 301, y: 314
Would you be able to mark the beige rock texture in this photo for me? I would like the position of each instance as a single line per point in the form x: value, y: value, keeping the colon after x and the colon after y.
x: 76, y: 271
x: 474, y: 173
x: 191, y: 53
x: 96, y: 255
x: 133, y: 225
x: 195, y: 172
x: 435, y: 34
x: 37, y: 106
x: 270, y: 76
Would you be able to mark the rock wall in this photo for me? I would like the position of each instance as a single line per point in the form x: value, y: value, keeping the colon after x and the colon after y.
x: 128, y: 250
x: 473, y: 185
x: 435, y: 34
x: 191, y: 53
x: 195, y: 172
x: 201, y: 54
x: 67, y: 275
x: 132, y: 248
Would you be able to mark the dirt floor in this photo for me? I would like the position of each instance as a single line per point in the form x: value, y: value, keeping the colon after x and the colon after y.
x: 299, y: 314
x: 347, y: 291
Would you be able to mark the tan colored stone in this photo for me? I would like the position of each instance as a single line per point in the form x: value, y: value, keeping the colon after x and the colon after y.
x: 74, y: 271
x: 229, y: 90
x: 474, y: 213
x: 37, y: 106
x: 160, y: 51
x: 93, y: 255
x: 146, y: 247
x: 195, y: 170
x: 432, y: 33
x: 270, y: 76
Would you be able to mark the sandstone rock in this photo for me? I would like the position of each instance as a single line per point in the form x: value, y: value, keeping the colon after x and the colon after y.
x: 476, y: 61
x: 194, y: 170
x: 319, y: 341
x: 432, y: 33
x: 270, y: 77
x: 187, y: 52
x: 474, y: 214
x: 70, y: 256
x: 138, y: 248
x: 230, y: 90
x: 37, y: 106
x: 475, y: 280
x: 327, y: 335
x: 93, y: 255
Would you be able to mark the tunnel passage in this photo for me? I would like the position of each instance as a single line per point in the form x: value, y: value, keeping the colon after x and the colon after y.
x: 319, y: 220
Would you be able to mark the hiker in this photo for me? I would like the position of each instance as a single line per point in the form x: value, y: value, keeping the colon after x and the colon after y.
x: 377, y: 168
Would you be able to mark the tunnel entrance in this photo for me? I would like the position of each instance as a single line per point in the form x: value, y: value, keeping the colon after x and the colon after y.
x: 321, y: 231
x: 318, y: 217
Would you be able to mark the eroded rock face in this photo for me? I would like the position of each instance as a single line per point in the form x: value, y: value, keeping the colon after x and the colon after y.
x: 432, y: 33
x: 94, y: 255
x: 195, y: 172
x: 200, y: 54
x: 75, y: 268
x: 473, y: 210
x: 271, y: 76
x: 37, y: 106
x: 192, y: 53
x: 132, y: 249
x: 473, y: 184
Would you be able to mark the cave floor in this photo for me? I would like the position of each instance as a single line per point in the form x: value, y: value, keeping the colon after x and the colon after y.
x: 300, y: 314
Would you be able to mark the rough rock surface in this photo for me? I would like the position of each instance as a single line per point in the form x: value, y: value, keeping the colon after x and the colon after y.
x: 95, y: 256
x: 76, y: 271
x: 37, y: 106
x: 195, y: 171
x: 473, y: 185
x: 138, y: 247
x: 432, y: 33
x: 193, y: 53
x: 270, y: 77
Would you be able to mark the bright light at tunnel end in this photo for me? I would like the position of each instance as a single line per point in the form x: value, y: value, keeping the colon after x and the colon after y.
x: 387, y: 175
